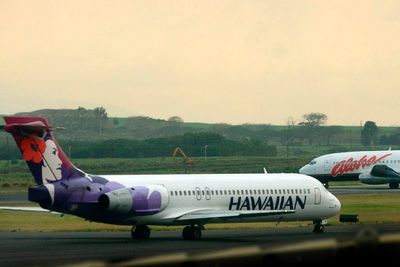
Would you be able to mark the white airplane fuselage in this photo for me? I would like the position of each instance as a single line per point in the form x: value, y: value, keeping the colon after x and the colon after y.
x: 235, y: 192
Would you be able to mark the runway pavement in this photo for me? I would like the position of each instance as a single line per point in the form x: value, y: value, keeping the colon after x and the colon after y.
x: 40, y: 249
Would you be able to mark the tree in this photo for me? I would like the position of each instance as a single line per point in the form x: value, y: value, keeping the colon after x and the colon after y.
x: 175, y: 119
x: 314, y: 119
x: 369, y: 134
x: 289, y: 133
x: 100, y: 114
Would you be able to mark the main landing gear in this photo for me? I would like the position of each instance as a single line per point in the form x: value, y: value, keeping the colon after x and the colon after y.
x: 191, y: 232
x: 140, y: 232
x: 394, y: 185
x: 318, y: 227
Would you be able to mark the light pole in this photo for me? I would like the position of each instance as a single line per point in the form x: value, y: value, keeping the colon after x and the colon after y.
x: 205, y: 152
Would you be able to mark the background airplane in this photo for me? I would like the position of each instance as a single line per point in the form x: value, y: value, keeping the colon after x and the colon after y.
x: 369, y: 167
x: 142, y: 200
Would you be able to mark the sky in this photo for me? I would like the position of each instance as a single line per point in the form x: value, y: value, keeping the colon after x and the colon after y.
x: 206, y: 61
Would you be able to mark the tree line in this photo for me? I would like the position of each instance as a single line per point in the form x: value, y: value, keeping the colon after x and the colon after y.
x: 193, y: 144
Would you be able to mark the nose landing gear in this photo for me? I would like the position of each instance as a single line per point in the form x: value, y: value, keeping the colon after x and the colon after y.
x: 318, y: 227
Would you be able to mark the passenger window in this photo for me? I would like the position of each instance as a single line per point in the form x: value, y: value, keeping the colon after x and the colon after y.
x: 292, y: 191
x: 184, y: 193
x: 280, y: 192
x: 296, y: 191
x: 263, y: 191
x: 247, y: 192
x: 172, y: 193
x: 189, y: 192
x: 180, y: 193
x: 216, y: 192
x: 276, y: 192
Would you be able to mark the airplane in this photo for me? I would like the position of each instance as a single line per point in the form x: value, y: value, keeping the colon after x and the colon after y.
x: 369, y: 167
x: 190, y: 200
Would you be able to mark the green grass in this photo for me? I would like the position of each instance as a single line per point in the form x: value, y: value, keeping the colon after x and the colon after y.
x: 18, y: 174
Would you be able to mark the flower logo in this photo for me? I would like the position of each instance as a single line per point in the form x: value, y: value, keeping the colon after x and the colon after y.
x: 32, y: 149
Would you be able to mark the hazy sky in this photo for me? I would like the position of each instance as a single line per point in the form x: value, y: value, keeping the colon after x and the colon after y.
x: 209, y: 61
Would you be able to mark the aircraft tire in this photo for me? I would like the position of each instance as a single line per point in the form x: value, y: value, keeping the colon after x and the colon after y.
x: 318, y: 228
x: 140, y: 232
x: 191, y: 233
x: 394, y: 185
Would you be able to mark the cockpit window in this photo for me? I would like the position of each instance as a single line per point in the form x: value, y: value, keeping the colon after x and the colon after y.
x: 312, y: 162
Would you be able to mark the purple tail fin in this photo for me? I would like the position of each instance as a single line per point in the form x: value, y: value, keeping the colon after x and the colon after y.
x: 40, y: 150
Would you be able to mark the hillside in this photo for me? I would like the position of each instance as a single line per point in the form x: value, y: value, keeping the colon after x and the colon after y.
x: 85, y: 126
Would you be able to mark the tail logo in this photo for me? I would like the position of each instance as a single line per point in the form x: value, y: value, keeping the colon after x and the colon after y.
x: 32, y: 149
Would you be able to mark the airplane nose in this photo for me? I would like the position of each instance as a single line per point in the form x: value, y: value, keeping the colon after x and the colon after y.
x: 303, y: 170
x: 336, y: 205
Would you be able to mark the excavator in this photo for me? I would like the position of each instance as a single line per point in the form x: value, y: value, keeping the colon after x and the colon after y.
x: 187, y: 159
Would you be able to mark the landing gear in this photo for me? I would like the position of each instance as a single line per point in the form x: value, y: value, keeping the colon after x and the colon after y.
x: 318, y: 227
x: 140, y: 232
x: 393, y: 185
x: 191, y: 232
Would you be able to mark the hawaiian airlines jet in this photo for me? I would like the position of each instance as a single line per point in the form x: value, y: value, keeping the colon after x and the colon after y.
x: 370, y: 167
x: 142, y: 200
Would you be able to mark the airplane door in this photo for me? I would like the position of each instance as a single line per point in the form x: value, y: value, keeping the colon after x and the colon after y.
x: 327, y: 164
x: 317, y: 198
x: 208, y: 195
x: 198, y: 193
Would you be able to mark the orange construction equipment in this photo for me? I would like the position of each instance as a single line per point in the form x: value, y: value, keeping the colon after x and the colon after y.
x: 187, y: 159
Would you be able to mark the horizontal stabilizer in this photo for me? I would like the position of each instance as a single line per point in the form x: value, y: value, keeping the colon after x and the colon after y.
x: 34, y: 209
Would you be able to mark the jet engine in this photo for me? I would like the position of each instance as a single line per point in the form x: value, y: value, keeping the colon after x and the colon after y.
x: 139, y: 200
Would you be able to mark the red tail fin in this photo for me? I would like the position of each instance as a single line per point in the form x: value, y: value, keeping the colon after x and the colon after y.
x: 39, y: 149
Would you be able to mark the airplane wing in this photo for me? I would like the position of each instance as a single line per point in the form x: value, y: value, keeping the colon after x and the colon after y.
x: 34, y: 209
x: 384, y: 171
x: 381, y: 174
x: 227, y: 214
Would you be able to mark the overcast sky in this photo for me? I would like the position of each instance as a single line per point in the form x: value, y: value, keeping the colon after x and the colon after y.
x: 208, y: 61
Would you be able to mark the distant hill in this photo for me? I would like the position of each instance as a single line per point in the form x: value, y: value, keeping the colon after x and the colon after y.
x: 87, y: 124
x: 94, y: 125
